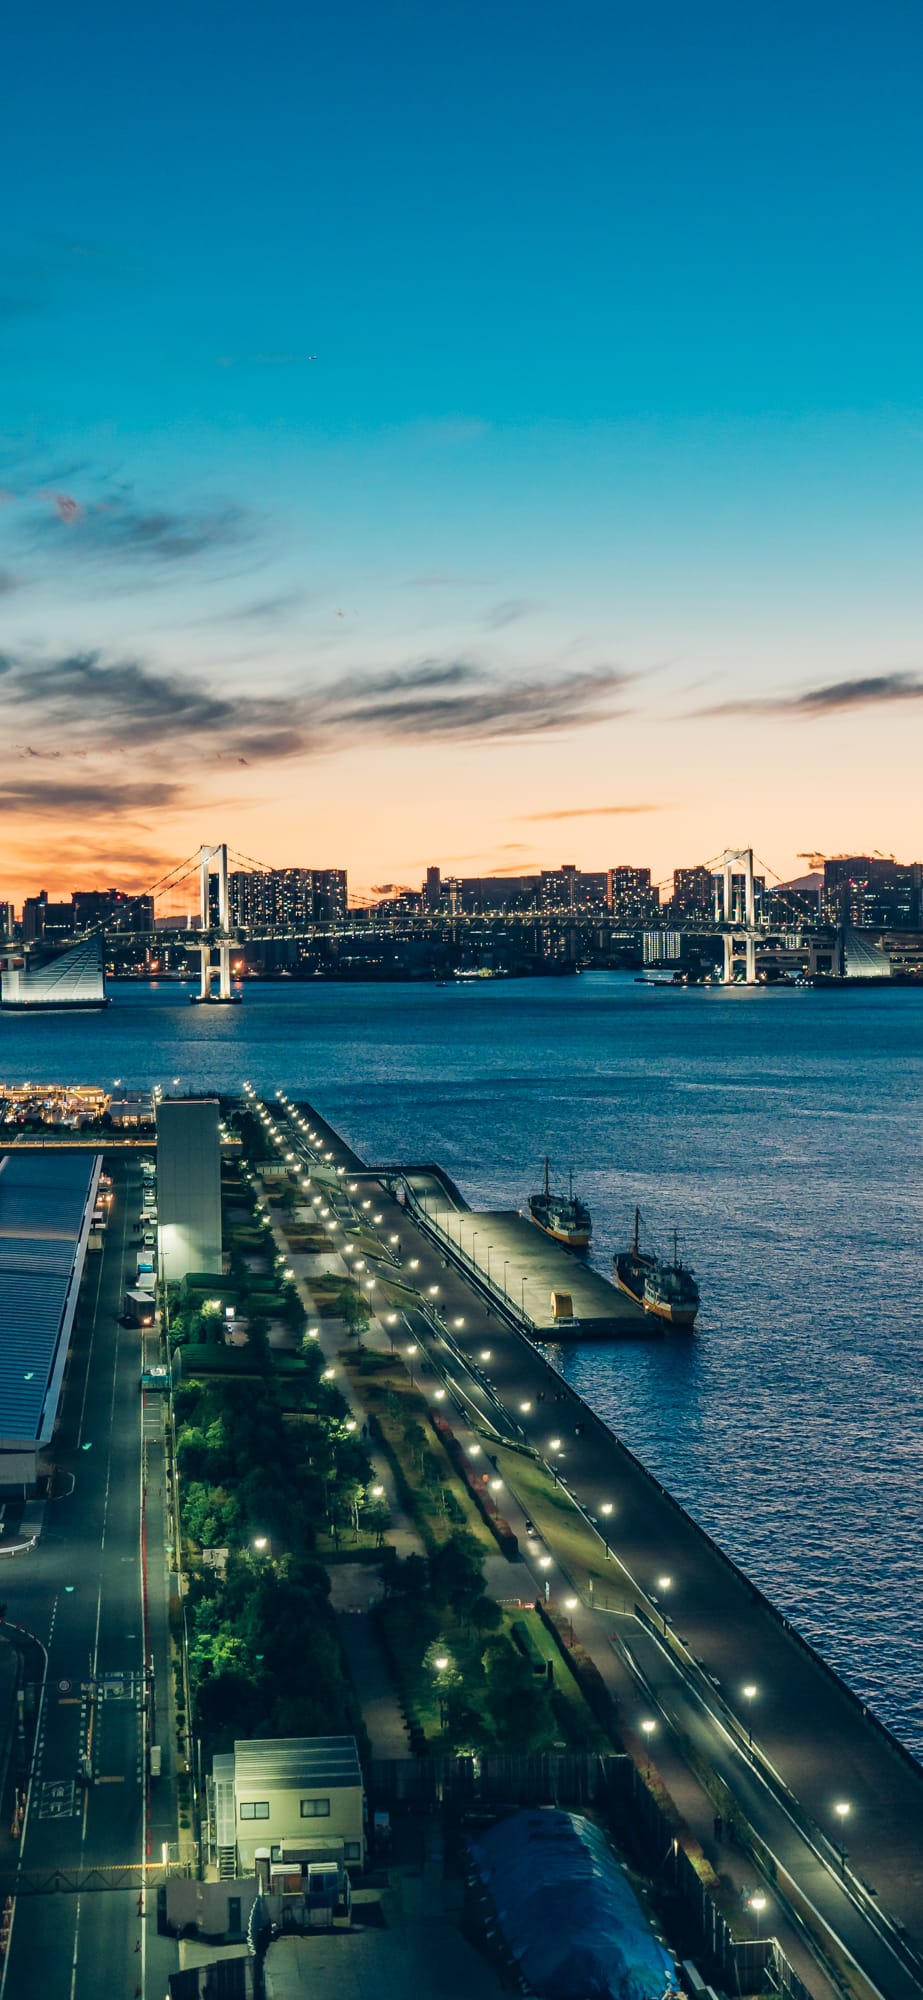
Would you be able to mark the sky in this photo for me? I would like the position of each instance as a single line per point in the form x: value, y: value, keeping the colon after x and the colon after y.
x: 484, y: 436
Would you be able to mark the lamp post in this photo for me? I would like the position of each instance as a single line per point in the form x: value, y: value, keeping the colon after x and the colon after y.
x: 522, y: 1299
x: 757, y: 1904
x: 474, y: 1237
x: 570, y: 1606
x: 506, y: 1266
x: 410, y: 1352
x: 842, y: 1810
x: 664, y: 1583
x: 750, y: 1693
x: 648, y: 1728
x: 606, y: 1510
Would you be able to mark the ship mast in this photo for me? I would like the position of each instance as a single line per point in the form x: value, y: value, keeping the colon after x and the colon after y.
x: 637, y: 1230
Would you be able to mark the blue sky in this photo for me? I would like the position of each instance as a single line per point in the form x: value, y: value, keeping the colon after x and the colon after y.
x: 616, y: 317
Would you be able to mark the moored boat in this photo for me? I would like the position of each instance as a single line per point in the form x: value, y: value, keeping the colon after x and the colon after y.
x: 666, y: 1289
x: 563, y: 1216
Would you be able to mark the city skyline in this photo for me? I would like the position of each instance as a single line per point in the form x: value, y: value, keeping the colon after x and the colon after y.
x: 427, y: 447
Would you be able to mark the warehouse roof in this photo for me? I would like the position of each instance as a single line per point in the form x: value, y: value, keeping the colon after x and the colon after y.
x: 44, y: 1202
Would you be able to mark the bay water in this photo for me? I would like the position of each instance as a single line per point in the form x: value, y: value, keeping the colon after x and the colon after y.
x: 778, y: 1131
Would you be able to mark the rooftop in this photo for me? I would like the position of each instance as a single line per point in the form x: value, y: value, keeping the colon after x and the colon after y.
x: 44, y: 1199
x: 289, y: 1762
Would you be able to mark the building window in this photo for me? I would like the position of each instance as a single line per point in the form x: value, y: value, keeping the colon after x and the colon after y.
x: 352, y: 1850
x: 255, y: 1809
x: 315, y: 1808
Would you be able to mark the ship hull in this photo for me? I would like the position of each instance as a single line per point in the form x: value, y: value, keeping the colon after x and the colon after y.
x: 674, y: 1315
x: 683, y: 1316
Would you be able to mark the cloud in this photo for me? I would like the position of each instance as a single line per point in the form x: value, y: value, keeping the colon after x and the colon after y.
x: 110, y: 714
x: 591, y: 812
x: 510, y: 612
x: 8, y: 583
x: 494, y: 712
x: 31, y: 796
x: 133, y: 534
x: 833, y: 698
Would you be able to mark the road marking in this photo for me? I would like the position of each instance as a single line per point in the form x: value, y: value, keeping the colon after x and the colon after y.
x: 117, y: 1779
x: 68, y: 1701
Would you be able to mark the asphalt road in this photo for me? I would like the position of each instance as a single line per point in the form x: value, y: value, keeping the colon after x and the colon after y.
x: 806, y: 1727
x: 80, y: 1593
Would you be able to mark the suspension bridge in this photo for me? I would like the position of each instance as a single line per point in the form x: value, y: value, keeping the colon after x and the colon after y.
x: 203, y: 905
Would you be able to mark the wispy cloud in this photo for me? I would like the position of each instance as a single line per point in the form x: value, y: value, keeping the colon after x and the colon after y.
x: 36, y: 796
x: 510, y: 612
x: 832, y: 698
x: 119, y: 529
x: 78, y: 720
x: 591, y: 812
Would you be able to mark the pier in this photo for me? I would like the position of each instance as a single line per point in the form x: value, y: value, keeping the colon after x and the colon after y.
x: 522, y: 1270
x: 832, y: 1804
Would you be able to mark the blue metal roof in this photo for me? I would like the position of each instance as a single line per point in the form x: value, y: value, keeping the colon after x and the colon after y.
x: 571, y: 1920
x: 43, y: 1201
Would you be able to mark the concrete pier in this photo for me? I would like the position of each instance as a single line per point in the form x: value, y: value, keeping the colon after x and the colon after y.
x: 524, y: 1269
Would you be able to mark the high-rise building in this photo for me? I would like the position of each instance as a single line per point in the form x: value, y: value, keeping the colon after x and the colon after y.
x: 631, y: 899
x: 188, y: 1187
x: 872, y: 892
x: 693, y: 893
x: 286, y: 898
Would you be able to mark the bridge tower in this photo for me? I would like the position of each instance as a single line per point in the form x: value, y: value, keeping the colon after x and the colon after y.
x: 736, y: 924
x: 213, y: 865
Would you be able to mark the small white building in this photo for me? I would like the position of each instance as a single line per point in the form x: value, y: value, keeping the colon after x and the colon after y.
x: 291, y: 1794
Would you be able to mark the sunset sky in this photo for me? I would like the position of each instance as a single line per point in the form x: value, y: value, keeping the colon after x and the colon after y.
x: 485, y: 435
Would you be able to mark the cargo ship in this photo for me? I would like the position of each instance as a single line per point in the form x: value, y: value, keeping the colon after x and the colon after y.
x: 668, y: 1290
x: 563, y: 1216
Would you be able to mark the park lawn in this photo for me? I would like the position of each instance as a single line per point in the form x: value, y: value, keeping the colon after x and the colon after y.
x: 576, y: 1545
x: 397, y: 1406
x: 578, y: 1726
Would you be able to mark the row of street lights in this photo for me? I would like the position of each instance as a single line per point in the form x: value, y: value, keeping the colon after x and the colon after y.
x: 750, y: 1691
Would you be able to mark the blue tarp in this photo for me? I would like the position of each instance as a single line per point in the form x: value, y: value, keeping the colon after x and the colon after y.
x: 570, y: 1918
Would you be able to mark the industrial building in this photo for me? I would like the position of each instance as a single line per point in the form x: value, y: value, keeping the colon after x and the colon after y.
x: 46, y: 1208
x: 188, y: 1186
x: 294, y: 1795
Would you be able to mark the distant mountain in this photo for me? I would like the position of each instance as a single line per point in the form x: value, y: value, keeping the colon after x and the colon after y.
x: 813, y: 881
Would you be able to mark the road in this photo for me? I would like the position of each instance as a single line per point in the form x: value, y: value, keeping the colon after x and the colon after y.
x: 814, y: 1746
x: 80, y: 1592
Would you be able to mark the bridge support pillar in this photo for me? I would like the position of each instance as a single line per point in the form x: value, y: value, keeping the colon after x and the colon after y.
x: 750, y: 973
x: 728, y: 958
x: 205, y: 976
x: 224, y: 972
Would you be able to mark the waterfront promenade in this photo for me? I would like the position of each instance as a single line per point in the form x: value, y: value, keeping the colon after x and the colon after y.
x: 813, y: 1746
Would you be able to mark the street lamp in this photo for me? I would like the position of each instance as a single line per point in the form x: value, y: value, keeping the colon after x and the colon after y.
x: 648, y: 1727
x: 606, y: 1509
x: 750, y: 1693
x: 570, y: 1606
x: 664, y: 1583
x: 410, y: 1352
x: 842, y: 1810
x: 757, y: 1904
x: 506, y: 1266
